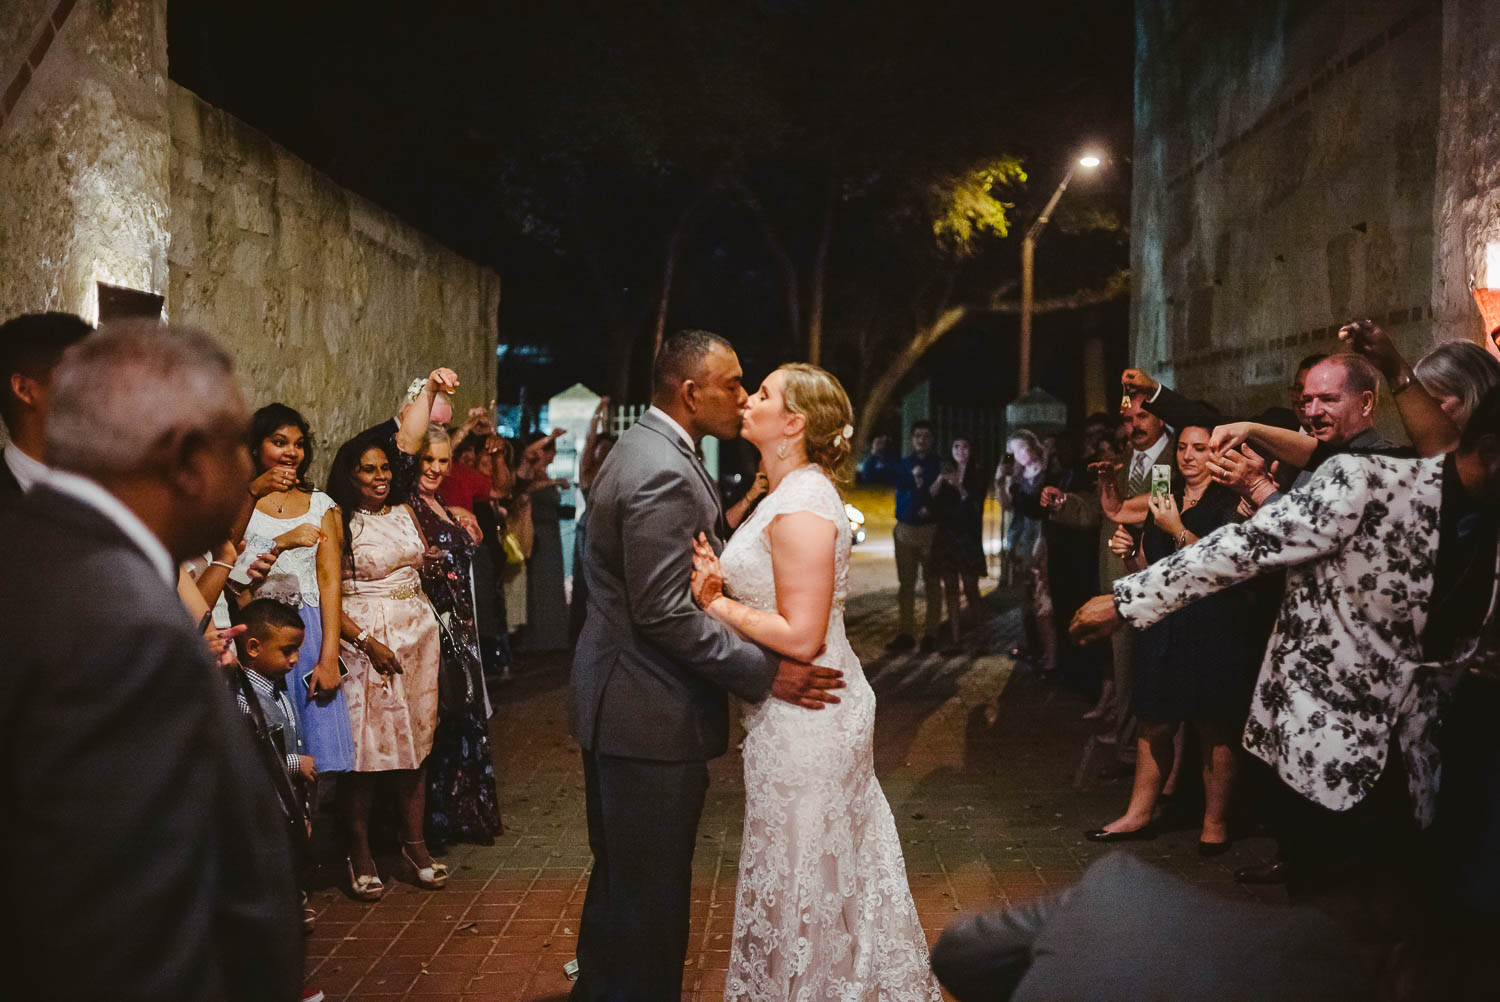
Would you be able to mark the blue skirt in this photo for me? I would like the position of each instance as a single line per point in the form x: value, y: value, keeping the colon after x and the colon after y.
x: 324, y: 722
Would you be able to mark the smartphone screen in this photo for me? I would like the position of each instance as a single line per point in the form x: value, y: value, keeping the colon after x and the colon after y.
x: 1161, y: 480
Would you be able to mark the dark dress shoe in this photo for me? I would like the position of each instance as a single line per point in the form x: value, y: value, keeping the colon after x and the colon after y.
x: 1213, y: 848
x: 1142, y: 834
x: 1266, y: 873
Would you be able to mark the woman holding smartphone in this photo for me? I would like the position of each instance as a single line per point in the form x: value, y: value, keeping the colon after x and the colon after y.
x: 299, y: 521
x: 1197, y: 665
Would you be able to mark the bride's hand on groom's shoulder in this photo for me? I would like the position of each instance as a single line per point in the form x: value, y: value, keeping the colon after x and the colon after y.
x: 805, y: 685
x: 708, y: 578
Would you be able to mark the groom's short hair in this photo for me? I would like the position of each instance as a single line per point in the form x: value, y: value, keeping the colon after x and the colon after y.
x: 681, y: 358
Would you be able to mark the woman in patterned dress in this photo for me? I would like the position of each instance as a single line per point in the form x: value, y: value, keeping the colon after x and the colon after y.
x: 392, y: 648
x: 462, y: 804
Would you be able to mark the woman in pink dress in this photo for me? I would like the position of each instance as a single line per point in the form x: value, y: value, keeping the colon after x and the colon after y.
x: 392, y: 648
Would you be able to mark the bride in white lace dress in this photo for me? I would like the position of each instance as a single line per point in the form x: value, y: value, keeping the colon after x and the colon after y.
x: 822, y: 910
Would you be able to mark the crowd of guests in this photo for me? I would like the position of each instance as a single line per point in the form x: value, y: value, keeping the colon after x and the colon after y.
x: 1301, y: 615
x: 938, y: 536
x: 357, y: 627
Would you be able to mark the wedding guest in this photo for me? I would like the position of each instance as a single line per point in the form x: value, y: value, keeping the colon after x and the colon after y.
x: 462, y: 804
x: 1346, y: 709
x: 1458, y: 374
x: 492, y: 605
x: 391, y: 645
x: 914, y: 531
x: 143, y: 854
x: 465, y: 486
x: 597, y: 445
x: 958, y: 545
x: 300, y: 522
x: 1195, y: 666
x: 402, y: 436
x: 880, y: 465
x: 546, y: 594
x: 30, y: 347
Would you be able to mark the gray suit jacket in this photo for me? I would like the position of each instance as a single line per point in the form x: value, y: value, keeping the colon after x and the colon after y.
x: 1129, y: 932
x: 142, y: 851
x: 651, y: 669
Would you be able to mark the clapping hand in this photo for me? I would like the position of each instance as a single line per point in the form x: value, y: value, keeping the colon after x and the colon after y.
x: 1135, y: 381
x: 303, y: 535
x: 708, y: 575
x: 1242, y: 470
x: 221, y: 643
x: 277, y: 478
x: 1052, y: 497
x: 470, y: 524
x: 1122, y: 543
x: 1096, y: 620
x: 1364, y: 337
x: 442, y: 380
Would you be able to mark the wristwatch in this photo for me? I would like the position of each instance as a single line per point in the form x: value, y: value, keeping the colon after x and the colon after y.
x: 1402, y: 383
x: 359, y: 641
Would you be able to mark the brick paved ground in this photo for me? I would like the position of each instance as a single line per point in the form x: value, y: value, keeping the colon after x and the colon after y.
x: 977, y: 759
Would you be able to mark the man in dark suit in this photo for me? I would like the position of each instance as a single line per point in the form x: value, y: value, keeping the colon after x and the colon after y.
x: 1129, y: 932
x: 650, y: 675
x: 30, y: 346
x: 142, y: 857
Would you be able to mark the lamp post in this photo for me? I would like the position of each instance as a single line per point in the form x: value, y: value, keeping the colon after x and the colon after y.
x: 1028, y: 264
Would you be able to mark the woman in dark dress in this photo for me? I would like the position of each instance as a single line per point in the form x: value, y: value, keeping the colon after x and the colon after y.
x: 462, y: 803
x: 1196, y: 666
x: 546, y: 593
x: 958, y: 545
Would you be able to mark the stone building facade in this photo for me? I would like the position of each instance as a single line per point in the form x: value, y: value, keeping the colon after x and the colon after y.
x: 1302, y: 162
x: 114, y: 176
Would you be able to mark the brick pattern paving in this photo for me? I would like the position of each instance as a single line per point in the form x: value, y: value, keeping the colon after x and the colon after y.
x: 977, y: 759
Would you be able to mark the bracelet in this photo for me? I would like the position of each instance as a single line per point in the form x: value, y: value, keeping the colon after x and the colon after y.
x: 1182, y: 539
x: 1402, y: 384
x: 359, y: 641
x: 220, y: 563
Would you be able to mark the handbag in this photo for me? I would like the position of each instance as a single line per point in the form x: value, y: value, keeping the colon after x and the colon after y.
x: 513, y: 552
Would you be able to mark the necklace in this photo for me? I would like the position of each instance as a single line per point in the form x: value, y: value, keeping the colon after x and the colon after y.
x: 383, y: 511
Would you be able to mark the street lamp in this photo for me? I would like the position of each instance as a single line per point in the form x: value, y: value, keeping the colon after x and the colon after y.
x: 1028, y: 260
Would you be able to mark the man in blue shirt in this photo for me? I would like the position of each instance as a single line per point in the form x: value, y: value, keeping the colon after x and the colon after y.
x: 915, y: 528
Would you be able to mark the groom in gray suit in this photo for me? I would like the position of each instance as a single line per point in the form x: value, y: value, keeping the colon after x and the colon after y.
x: 651, y: 672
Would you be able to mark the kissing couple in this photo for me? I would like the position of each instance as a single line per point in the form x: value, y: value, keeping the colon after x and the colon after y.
x: 677, y: 621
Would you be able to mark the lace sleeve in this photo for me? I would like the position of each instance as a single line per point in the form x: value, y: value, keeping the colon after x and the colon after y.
x: 809, y: 490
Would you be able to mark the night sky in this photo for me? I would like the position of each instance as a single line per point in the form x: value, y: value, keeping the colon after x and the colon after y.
x: 564, y: 143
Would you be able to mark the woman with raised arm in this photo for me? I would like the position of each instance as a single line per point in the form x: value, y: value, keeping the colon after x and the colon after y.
x: 822, y: 909
x: 1196, y: 666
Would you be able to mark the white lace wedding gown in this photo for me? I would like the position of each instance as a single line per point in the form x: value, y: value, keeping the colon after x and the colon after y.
x: 822, y: 910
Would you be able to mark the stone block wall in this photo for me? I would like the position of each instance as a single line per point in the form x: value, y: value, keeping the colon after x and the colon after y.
x: 329, y: 303
x: 1467, y: 207
x: 111, y: 173
x: 85, y: 152
x: 1285, y: 164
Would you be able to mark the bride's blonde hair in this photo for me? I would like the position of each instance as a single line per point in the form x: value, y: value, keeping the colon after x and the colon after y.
x: 829, y: 429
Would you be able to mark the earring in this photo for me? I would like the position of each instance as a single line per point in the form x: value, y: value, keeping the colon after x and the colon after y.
x: 781, y: 450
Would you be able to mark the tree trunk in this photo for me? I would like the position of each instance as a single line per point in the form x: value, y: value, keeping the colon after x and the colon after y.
x: 880, y: 393
x: 820, y: 278
x: 669, y: 272
x: 949, y: 317
x: 790, y: 282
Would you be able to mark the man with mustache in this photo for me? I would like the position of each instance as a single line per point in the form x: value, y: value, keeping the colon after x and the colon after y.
x: 1338, y: 402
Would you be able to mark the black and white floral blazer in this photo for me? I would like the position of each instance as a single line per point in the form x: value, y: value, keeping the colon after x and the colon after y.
x: 1344, y: 667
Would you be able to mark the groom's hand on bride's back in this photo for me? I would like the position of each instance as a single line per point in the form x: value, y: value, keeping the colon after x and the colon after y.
x: 805, y: 685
